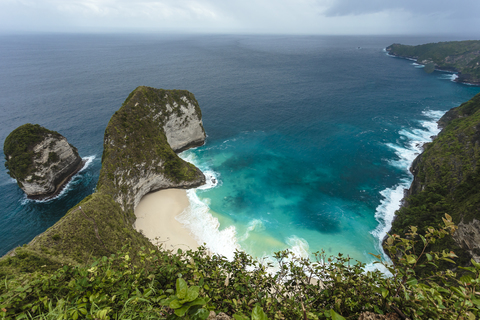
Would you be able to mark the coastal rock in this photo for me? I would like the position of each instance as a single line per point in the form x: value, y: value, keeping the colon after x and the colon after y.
x: 460, y: 57
x: 40, y: 160
x: 141, y: 141
x: 468, y: 236
x: 447, y: 180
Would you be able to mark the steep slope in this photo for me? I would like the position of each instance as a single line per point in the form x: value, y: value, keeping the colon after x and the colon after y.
x: 40, y: 160
x: 137, y: 159
x: 455, y: 56
x: 447, y: 180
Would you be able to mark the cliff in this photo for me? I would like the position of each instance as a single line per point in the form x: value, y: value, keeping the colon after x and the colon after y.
x: 462, y: 57
x: 137, y: 159
x: 447, y: 180
x: 41, y: 160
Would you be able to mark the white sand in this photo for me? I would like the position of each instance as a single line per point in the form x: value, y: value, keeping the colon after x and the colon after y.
x: 156, y: 219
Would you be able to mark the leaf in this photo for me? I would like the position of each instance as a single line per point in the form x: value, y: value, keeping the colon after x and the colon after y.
x: 411, y: 259
x: 175, y: 304
x: 336, y: 316
x: 192, y: 293
x: 429, y: 256
x: 384, y: 292
x: 200, y: 314
x: 412, y: 281
x: 258, y: 314
x: 239, y: 316
x: 181, y: 288
x: 181, y: 311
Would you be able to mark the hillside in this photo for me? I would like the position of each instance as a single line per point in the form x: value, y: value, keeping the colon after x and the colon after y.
x: 462, y: 57
x: 137, y: 159
x: 447, y: 180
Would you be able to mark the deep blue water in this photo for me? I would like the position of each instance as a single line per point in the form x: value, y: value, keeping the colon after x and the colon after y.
x: 310, y: 137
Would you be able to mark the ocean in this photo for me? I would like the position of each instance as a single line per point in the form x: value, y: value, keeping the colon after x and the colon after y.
x: 309, y: 137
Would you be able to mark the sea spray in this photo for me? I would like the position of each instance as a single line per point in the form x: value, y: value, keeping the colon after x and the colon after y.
x: 406, y: 153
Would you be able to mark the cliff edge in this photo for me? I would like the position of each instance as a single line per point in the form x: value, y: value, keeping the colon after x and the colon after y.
x: 447, y: 180
x: 40, y: 160
x: 138, y: 158
x: 461, y: 57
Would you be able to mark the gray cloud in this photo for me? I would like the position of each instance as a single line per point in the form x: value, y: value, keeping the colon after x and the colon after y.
x: 446, y: 8
x: 241, y: 16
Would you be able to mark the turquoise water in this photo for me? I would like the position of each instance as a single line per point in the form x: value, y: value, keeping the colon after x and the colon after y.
x: 309, y: 138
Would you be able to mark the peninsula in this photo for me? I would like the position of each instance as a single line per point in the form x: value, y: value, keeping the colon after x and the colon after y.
x: 461, y: 57
x: 139, y: 157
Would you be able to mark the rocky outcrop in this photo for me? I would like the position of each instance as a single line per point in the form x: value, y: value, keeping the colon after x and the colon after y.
x: 141, y: 141
x: 137, y: 159
x: 447, y: 180
x: 41, y: 160
x: 461, y: 57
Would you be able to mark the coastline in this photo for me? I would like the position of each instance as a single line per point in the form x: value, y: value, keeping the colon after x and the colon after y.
x: 156, y: 214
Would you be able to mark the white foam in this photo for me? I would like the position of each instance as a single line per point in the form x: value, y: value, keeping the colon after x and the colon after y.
x: 205, y: 227
x: 88, y: 160
x: 392, y: 197
x: 255, y: 225
x: 299, y: 247
x: 197, y: 218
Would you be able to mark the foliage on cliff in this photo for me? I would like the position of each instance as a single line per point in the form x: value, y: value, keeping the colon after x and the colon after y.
x: 136, y: 143
x: 99, y: 226
x: 458, y: 56
x: 18, y: 149
x: 160, y: 285
x: 447, y: 177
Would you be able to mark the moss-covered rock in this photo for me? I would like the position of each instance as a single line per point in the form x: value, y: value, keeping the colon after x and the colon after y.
x: 137, y: 159
x: 41, y: 160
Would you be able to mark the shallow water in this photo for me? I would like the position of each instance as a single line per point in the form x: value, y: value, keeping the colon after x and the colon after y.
x: 309, y: 138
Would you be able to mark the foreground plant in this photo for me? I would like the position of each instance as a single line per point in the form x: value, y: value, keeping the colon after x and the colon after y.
x: 188, y: 285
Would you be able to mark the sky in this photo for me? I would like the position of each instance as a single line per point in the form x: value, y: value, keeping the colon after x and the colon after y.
x: 332, y: 17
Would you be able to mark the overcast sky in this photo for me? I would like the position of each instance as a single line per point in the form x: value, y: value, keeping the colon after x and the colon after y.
x: 243, y: 16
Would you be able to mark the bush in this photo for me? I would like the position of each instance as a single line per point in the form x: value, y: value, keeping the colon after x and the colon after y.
x: 115, y: 287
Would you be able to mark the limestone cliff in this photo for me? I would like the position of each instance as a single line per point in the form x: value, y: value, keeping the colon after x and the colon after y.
x: 140, y: 143
x: 137, y: 159
x: 447, y: 180
x: 40, y: 160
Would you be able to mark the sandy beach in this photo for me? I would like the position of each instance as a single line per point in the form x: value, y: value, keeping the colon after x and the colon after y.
x: 156, y: 219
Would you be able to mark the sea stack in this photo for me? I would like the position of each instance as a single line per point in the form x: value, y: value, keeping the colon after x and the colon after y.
x: 40, y: 160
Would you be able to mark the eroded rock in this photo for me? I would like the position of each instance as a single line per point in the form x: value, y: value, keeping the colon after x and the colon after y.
x: 40, y: 160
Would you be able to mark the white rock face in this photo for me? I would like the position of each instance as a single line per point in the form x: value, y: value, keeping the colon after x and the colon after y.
x: 55, y: 162
x: 141, y: 168
x: 185, y: 130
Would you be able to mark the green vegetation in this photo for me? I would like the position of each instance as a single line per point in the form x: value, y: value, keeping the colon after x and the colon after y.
x: 157, y: 284
x: 18, y: 149
x: 92, y: 264
x: 447, y: 177
x: 135, y: 142
x: 457, y: 56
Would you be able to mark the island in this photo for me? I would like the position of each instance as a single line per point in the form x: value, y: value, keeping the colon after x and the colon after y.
x: 460, y: 57
x: 40, y: 160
